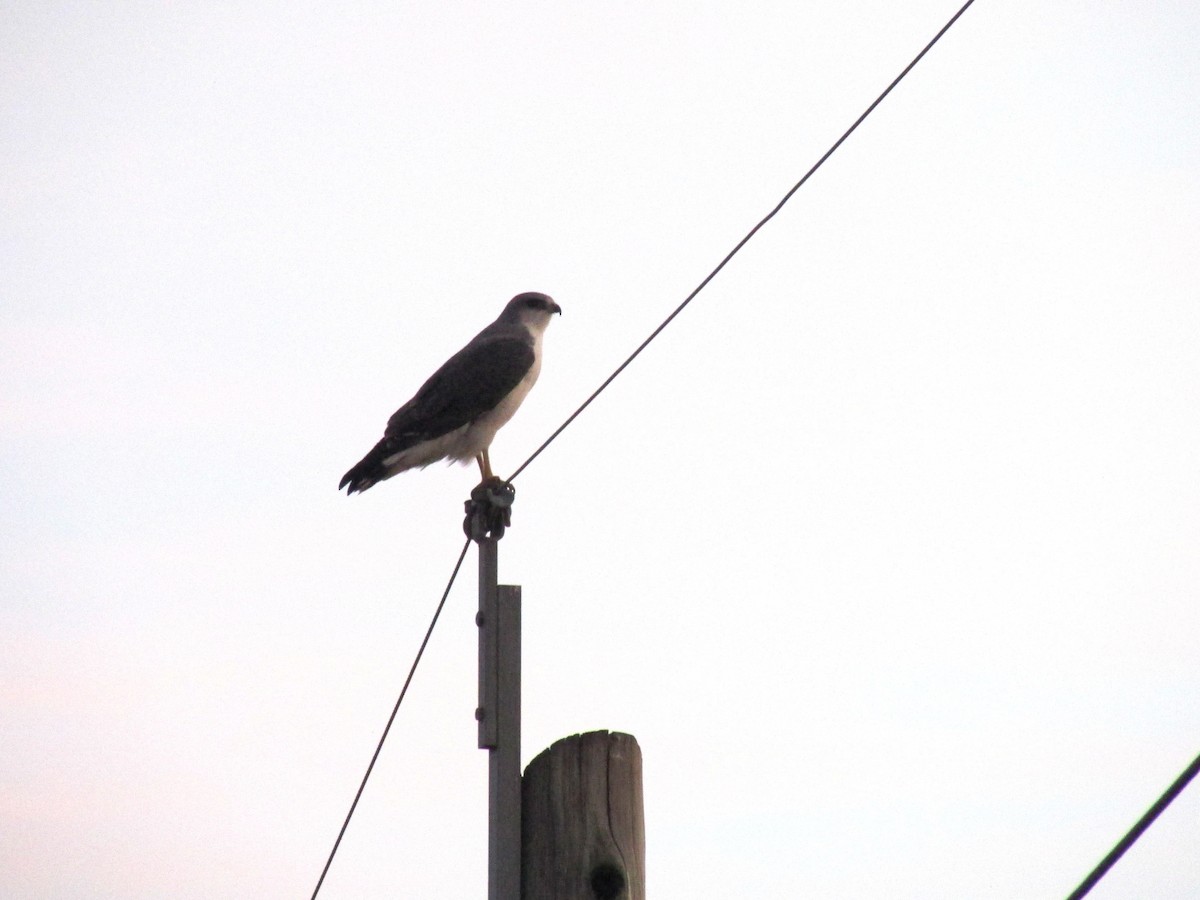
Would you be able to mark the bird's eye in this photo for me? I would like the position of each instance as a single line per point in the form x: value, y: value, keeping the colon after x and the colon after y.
x: 533, y: 303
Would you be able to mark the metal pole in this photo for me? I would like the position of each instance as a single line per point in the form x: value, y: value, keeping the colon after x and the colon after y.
x: 499, y: 716
x: 487, y: 619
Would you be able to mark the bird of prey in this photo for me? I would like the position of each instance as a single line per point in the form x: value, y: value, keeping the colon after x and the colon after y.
x: 458, y: 411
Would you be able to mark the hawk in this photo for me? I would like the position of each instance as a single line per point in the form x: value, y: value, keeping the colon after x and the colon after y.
x: 458, y: 411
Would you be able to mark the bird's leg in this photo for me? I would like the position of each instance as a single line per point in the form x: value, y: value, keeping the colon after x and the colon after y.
x: 485, y: 465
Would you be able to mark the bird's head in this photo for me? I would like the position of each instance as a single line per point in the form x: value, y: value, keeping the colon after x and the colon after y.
x: 533, y: 310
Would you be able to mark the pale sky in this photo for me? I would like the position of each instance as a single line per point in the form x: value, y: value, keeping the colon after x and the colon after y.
x: 885, y: 551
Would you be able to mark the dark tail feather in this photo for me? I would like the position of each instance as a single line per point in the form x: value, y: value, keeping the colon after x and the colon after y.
x: 366, y: 472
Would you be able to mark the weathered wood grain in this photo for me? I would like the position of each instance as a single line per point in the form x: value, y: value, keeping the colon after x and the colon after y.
x: 583, y: 833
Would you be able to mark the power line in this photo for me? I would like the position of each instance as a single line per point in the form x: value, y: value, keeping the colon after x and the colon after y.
x: 1136, y: 831
x: 721, y: 265
x: 1129, y: 838
x: 391, y: 718
x: 740, y: 244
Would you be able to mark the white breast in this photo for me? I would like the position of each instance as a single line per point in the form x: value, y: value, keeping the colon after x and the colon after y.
x: 479, y: 434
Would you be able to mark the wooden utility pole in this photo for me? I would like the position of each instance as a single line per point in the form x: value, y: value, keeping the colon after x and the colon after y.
x: 583, y: 831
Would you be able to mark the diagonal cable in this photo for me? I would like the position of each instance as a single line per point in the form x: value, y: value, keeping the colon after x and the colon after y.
x: 383, y: 737
x: 721, y: 265
x: 1136, y: 831
x: 740, y: 244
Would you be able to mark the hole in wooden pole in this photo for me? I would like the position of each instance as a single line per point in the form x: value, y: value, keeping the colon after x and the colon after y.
x: 607, y: 881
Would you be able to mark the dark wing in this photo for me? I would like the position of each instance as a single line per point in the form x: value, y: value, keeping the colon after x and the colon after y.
x: 471, y: 382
